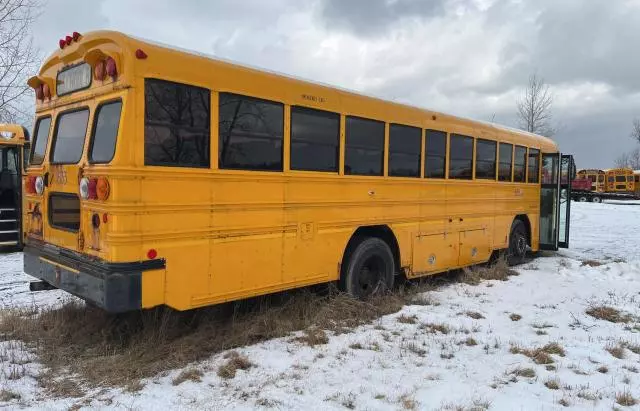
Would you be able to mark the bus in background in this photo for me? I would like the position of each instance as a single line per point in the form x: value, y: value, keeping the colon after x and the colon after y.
x: 597, y: 178
x: 636, y: 182
x: 14, y: 151
x: 164, y: 177
x: 619, y: 180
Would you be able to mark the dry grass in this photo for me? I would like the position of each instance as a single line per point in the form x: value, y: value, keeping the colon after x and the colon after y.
x: 540, y: 355
x: 470, y: 342
x: 475, y: 315
x: 591, y: 263
x: 189, y: 374
x: 408, y: 319
x: 552, y: 384
x: 626, y: 399
x: 524, y: 372
x: 603, y: 312
x: 120, y: 350
x: 7, y: 395
x: 499, y: 270
x: 313, y: 336
x: 633, y: 347
x: 603, y: 369
x: 564, y: 402
x: 515, y: 317
x: 235, y: 362
x: 616, y: 350
x: 436, y: 328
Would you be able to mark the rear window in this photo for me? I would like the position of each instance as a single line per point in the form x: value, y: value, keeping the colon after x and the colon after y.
x: 620, y: 179
x: 105, y: 131
x: 41, y: 136
x: 64, y: 211
x: 68, y: 139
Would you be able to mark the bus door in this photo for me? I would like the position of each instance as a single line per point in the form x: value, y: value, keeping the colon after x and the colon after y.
x: 13, y: 139
x: 555, y: 200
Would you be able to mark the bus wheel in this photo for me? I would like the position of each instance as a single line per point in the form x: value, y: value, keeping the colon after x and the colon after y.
x: 517, y: 243
x: 370, y: 269
x: 582, y: 199
x: 596, y: 199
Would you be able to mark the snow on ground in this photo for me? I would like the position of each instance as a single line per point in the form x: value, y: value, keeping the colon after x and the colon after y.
x: 405, y: 360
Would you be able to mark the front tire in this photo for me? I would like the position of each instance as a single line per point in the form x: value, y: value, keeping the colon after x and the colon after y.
x: 582, y: 199
x: 517, y: 243
x: 369, y: 269
x: 596, y: 199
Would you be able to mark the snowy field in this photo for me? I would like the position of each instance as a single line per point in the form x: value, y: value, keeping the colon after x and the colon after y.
x: 487, y: 346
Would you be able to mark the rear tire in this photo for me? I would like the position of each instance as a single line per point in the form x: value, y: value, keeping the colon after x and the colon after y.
x: 369, y: 269
x: 517, y: 243
x: 582, y: 199
x: 596, y: 199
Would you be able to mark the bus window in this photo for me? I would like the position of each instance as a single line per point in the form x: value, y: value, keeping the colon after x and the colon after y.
x: 460, y: 157
x: 364, y: 147
x: 435, y: 154
x: 41, y: 136
x: 506, y: 160
x: 315, y: 139
x: 520, y: 165
x: 68, y: 136
x: 176, y: 124
x: 620, y: 179
x: 405, y: 144
x: 105, y: 131
x: 486, y: 159
x: 534, y: 164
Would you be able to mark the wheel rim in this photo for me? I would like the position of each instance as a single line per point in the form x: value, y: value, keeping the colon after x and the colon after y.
x: 521, y: 245
x: 583, y: 199
x: 371, y: 275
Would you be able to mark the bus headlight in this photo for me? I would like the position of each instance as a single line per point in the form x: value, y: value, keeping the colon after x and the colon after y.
x: 39, y: 183
x: 84, y: 188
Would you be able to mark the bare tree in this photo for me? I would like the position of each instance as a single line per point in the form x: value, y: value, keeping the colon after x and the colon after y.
x: 534, y: 108
x: 18, y: 57
x: 635, y: 131
x: 630, y: 159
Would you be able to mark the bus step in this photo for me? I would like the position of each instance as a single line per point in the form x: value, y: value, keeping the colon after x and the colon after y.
x: 8, y: 214
x: 8, y: 225
x: 5, y: 243
x: 40, y: 286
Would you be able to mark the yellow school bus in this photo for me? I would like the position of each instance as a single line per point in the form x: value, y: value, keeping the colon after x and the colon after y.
x: 165, y: 177
x: 14, y: 150
x: 636, y: 182
x: 597, y: 178
x: 619, y: 180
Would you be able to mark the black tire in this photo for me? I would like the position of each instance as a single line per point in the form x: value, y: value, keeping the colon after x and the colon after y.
x: 596, y: 199
x: 583, y: 199
x: 517, y: 243
x: 369, y: 269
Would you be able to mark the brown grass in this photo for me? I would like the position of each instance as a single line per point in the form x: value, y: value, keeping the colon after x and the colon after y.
x: 499, y: 270
x: 470, y: 342
x: 7, y: 395
x: 540, y: 355
x: 436, y: 328
x: 515, y: 317
x: 633, y: 347
x: 524, y: 372
x: 235, y: 361
x: 408, y: 319
x: 189, y: 374
x: 591, y: 263
x: 120, y: 350
x: 603, y: 312
x: 616, y: 350
x: 475, y: 315
x: 603, y: 369
x: 626, y: 399
x: 552, y: 384
x: 313, y: 336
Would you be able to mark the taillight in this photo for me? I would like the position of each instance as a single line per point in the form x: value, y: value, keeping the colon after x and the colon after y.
x: 46, y: 91
x: 102, y: 188
x: 151, y: 254
x: 99, y: 70
x: 140, y: 54
x: 40, y: 92
x: 30, y: 185
x: 84, y: 188
x: 91, y: 189
x: 39, y: 185
x: 112, y: 71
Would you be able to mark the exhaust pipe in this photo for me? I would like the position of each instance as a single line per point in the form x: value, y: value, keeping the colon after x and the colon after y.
x: 41, y: 286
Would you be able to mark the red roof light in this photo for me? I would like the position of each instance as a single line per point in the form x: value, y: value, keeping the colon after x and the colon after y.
x: 76, y: 36
x: 68, y: 40
x: 62, y: 43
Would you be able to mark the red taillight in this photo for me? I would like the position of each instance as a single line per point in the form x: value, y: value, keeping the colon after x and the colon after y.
x: 105, y: 219
x: 102, y: 188
x: 40, y: 92
x: 112, y: 71
x: 99, y: 70
x: 62, y: 43
x: 30, y: 185
x: 68, y: 40
x: 76, y: 36
x: 151, y: 254
x: 92, y: 192
x: 46, y: 91
x: 140, y: 54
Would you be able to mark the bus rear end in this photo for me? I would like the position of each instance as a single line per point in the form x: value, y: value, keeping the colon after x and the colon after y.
x: 77, y: 179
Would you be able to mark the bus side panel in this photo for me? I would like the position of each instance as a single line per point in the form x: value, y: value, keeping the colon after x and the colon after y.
x: 434, y: 249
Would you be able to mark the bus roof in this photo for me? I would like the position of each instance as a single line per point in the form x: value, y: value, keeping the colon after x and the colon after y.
x: 131, y: 44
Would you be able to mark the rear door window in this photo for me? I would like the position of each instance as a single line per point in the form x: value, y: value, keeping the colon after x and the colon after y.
x: 68, y: 138
x: 105, y: 131
x: 41, y: 136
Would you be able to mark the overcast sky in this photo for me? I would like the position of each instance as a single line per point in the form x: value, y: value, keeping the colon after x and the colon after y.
x: 466, y: 57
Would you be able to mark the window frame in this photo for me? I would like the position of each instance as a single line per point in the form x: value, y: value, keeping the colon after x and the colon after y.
x: 445, y: 157
x: 96, y: 115
x: 475, y: 160
x: 539, y: 156
x: 418, y: 175
x: 504, y: 143
x: 35, y: 140
x: 526, y: 163
x: 284, y: 106
x: 310, y: 109
x: 383, y: 149
x: 54, y: 136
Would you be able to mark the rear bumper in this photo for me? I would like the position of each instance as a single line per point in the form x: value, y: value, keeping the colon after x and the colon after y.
x: 114, y: 287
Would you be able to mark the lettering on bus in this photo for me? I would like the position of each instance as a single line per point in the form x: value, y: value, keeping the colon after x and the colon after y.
x: 315, y: 99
